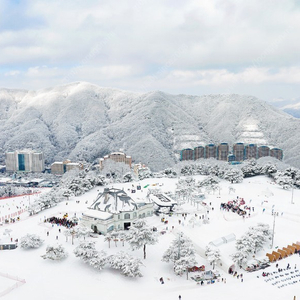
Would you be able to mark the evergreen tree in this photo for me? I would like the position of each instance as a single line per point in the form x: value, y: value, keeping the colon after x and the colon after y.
x: 233, y: 175
x: 31, y: 241
x: 127, y: 264
x: 139, y: 235
x: 213, y: 255
x: 99, y: 260
x: 181, y: 252
x: 56, y: 252
x: 86, y: 251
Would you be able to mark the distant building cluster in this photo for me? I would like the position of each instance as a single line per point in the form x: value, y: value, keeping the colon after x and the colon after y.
x: 59, y: 168
x: 25, y: 160
x: 240, y: 152
x: 28, y: 160
x: 116, y: 157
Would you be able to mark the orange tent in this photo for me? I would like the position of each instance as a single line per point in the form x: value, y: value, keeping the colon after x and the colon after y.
x: 297, y: 246
x: 277, y: 255
x: 288, y: 251
x: 271, y: 257
x: 292, y: 248
x: 282, y: 253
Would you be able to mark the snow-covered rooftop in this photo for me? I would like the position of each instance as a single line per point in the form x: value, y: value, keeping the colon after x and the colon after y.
x: 114, y: 201
x: 98, y: 214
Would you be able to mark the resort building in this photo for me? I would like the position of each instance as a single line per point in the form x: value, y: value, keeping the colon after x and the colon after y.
x: 25, y: 161
x: 59, y: 168
x: 239, y: 151
x: 277, y: 153
x: 223, y: 151
x: 251, y: 151
x: 198, y: 152
x: 187, y: 154
x: 118, y: 157
x: 210, y: 151
x: 263, y: 151
x: 115, y: 210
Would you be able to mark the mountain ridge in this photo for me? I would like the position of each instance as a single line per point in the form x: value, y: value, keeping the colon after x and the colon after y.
x: 83, y: 121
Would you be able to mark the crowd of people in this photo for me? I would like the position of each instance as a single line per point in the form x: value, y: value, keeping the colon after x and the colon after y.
x: 235, y: 206
x: 61, y: 222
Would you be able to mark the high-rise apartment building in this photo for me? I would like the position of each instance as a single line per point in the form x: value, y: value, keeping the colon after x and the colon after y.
x: 223, y: 151
x: 187, y: 154
x: 210, y: 151
x: 251, y: 151
x: 198, y: 152
x: 277, y: 153
x: 263, y: 151
x: 25, y: 161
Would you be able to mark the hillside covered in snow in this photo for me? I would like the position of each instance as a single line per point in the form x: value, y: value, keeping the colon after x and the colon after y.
x: 81, y: 121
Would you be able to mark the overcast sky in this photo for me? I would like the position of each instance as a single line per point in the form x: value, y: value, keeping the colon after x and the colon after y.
x: 177, y: 46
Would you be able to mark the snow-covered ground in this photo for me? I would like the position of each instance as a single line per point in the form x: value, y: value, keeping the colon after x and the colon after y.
x: 72, y: 279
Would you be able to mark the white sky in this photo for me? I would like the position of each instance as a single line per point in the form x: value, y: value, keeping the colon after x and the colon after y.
x: 179, y: 46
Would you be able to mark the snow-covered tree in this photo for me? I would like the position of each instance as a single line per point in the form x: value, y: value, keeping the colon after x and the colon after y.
x: 285, y: 181
x: 31, y: 241
x: 239, y: 257
x: 129, y: 265
x: 251, y: 242
x: 115, y: 170
x: 269, y: 169
x: 260, y: 234
x: 213, y: 255
x: 99, y: 260
x: 86, y: 251
x: 181, y: 252
x: 251, y: 168
x: 55, y: 252
x: 233, y: 175
x: 139, y: 235
x: 108, y: 238
x: 209, y: 181
x: 127, y: 177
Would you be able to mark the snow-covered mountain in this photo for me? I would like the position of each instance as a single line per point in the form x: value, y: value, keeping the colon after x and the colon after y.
x: 85, y: 121
x: 293, y: 109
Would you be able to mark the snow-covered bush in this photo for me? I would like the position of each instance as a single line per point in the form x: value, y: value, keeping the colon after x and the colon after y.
x: 129, y: 265
x: 31, y: 241
x: 55, y: 252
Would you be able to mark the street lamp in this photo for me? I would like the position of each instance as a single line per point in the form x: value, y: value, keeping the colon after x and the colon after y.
x: 273, y: 229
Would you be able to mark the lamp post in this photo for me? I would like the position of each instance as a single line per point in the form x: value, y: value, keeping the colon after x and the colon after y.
x: 292, y: 201
x: 273, y: 229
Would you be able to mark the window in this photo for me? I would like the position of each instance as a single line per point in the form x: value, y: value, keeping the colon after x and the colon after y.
x: 127, y: 216
x: 134, y: 214
x: 110, y: 228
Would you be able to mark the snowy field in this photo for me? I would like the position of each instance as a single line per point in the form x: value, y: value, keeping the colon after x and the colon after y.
x: 72, y: 279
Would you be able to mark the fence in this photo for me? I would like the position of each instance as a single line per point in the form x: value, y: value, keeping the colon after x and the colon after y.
x: 19, y: 282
